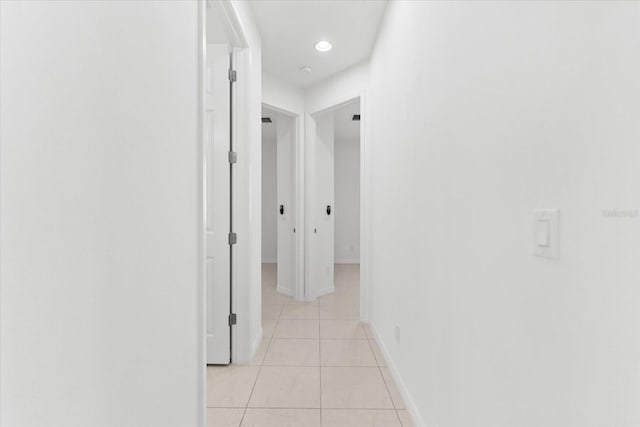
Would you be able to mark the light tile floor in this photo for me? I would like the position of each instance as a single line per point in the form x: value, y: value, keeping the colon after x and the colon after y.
x: 318, y: 365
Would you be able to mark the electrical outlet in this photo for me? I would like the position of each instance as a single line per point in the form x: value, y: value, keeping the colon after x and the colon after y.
x: 398, y: 334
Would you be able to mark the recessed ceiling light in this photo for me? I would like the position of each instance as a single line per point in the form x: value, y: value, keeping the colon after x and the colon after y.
x: 323, y: 46
x: 306, y: 69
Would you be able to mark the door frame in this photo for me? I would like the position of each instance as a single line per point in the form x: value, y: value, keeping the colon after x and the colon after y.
x: 298, y: 206
x: 240, y: 334
x: 365, y: 201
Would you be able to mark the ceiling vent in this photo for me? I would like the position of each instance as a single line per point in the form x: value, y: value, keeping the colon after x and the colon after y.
x: 356, y: 118
x: 268, y: 119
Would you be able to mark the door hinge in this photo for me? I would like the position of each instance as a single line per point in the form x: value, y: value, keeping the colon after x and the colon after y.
x: 233, y: 157
x: 233, y: 76
x: 233, y: 238
x: 233, y: 319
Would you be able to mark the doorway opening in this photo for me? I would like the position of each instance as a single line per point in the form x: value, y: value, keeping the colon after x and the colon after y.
x: 334, y: 205
x: 346, y: 171
x: 282, y: 267
x: 279, y: 201
x: 217, y: 185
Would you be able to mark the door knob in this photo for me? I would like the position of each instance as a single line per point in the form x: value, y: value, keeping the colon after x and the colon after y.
x: 281, y: 209
x: 328, y: 209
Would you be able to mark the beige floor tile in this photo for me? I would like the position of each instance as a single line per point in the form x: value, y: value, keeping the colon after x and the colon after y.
x: 351, y: 292
x: 377, y: 353
x: 361, y: 388
x: 271, y: 311
x: 293, y: 352
x: 291, y: 301
x: 289, y: 328
x: 346, y: 282
x: 269, y: 274
x: 346, y: 353
x: 224, y: 417
x: 350, y: 273
x: 298, y: 311
x: 230, y: 386
x: 286, y: 387
x: 405, y: 418
x: 268, y: 326
x: 339, y: 311
x: 281, y: 418
x: 359, y: 418
x: 258, y: 358
x: 396, y: 398
x: 272, y: 297
x: 349, y: 329
x: 351, y: 297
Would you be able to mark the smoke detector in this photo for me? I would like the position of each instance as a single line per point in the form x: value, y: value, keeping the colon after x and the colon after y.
x: 306, y: 69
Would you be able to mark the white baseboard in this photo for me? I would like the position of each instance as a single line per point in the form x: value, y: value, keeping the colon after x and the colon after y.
x: 347, y: 261
x: 257, y: 340
x: 269, y: 261
x: 325, y: 291
x: 287, y: 292
x: 409, y: 403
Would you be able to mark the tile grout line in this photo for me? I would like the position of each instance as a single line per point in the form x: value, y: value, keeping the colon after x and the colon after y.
x: 273, y: 337
x: 244, y: 413
x: 386, y: 386
x: 363, y: 408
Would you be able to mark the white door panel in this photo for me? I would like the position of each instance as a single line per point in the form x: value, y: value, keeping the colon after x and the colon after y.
x: 321, y: 196
x: 285, y: 224
x: 216, y: 193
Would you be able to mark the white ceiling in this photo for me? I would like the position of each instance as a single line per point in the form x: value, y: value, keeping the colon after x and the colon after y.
x: 290, y: 30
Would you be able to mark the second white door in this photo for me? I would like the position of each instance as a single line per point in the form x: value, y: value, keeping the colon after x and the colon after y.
x: 320, y: 248
x: 285, y: 204
x: 216, y: 203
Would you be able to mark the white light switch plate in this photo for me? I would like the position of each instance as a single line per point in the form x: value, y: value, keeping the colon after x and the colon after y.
x: 546, y: 223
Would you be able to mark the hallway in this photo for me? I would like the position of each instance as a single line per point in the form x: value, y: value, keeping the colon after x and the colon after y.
x: 318, y: 365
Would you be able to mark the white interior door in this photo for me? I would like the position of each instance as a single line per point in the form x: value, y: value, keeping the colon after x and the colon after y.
x: 285, y: 204
x: 321, y: 204
x: 217, y: 201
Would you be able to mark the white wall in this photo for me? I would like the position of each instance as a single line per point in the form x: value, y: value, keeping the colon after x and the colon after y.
x: 280, y: 94
x: 269, y: 200
x: 341, y: 87
x: 100, y: 215
x: 347, y: 201
x: 479, y: 114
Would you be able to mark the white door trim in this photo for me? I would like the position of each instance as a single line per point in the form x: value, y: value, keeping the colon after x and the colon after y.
x: 237, y: 39
x: 201, y: 302
x: 365, y: 199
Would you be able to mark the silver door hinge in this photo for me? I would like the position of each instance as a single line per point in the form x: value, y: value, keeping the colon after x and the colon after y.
x: 233, y: 319
x: 233, y: 157
x: 233, y: 76
x: 233, y: 238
